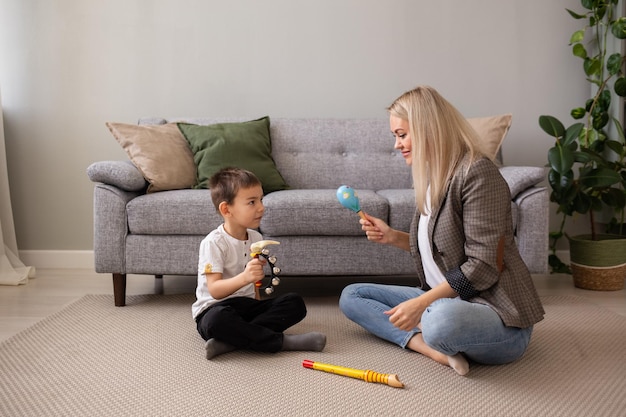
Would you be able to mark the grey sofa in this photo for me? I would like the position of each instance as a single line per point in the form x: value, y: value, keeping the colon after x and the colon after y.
x: 159, y: 233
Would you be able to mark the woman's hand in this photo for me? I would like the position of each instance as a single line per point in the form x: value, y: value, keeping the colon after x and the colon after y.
x: 378, y: 231
x: 408, y: 314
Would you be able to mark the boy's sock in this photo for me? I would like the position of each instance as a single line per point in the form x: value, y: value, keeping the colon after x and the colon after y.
x: 459, y: 364
x: 215, y: 347
x: 312, y: 341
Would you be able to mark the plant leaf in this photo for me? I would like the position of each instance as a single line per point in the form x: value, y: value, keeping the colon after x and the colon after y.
x: 552, y: 126
x: 614, y: 63
x: 588, y: 4
x: 579, y: 50
x: 558, y: 267
x: 592, y: 66
x: 581, y: 203
x: 572, y: 133
x: 604, y: 101
x: 587, y: 155
x: 618, y: 28
x: 620, y: 130
x: 576, y: 15
x: 583, y: 156
x: 614, y: 197
x: 561, y: 159
x: 615, y: 146
x: 620, y: 87
x: 600, y: 177
x: 577, y: 36
x: 600, y: 120
x: 561, y: 184
x: 578, y: 113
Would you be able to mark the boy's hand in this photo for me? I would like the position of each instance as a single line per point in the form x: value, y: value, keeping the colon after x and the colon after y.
x: 254, y: 270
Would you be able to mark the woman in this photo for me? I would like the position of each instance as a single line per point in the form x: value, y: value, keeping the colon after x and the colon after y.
x: 475, y: 299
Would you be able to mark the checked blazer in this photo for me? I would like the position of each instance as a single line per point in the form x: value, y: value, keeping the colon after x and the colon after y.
x: 471, y: 236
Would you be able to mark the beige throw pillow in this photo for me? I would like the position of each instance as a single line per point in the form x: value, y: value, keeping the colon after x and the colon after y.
x: 160, y: 152
x: 492, y: 130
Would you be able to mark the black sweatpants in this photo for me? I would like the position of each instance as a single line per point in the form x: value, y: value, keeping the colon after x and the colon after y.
x: 247, y: 323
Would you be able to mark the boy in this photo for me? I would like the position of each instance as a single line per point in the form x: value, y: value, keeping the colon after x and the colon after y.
x: 227, y: 314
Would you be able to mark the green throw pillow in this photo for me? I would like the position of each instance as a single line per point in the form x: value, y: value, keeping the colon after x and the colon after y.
x: 244, y: 145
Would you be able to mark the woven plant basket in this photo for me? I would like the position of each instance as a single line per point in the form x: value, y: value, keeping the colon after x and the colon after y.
x: 598, y: 264
x: 599, y: 279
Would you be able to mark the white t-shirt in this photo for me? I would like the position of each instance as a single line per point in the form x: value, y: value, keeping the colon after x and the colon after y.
x: 432, y: 272
x: 222, y: 253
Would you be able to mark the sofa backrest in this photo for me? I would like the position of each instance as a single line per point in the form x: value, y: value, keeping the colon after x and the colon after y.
x: 327, y: 153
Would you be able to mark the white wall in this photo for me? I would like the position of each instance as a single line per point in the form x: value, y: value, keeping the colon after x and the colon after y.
x: 68, y: 66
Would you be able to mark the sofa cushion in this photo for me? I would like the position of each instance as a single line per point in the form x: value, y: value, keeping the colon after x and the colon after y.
x: 160, y: 153
x: 287, y: 213
x: 176, y: 212
x: 401, y: 207
x: 492, y: 130
x: 244, y: 145
x: 317, y: 212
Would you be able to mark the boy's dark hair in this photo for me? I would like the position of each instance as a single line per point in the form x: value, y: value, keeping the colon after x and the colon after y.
x: 226, y: 183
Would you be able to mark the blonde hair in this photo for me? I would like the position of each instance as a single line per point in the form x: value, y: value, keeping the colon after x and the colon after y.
x: 440, y: 139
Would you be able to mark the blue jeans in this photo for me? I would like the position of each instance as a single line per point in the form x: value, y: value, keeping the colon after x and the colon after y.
x: 449, y: 325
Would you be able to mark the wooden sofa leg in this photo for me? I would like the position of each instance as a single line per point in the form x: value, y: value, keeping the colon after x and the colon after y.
x: 119, y: 289
x: 158, y: 284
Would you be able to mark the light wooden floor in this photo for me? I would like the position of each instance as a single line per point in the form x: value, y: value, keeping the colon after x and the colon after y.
x: 24, y: 305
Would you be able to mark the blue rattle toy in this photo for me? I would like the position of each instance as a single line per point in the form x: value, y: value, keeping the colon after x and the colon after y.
x: 348, y: 198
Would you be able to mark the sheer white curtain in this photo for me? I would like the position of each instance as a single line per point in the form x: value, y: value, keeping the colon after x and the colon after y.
x: 12, y: 270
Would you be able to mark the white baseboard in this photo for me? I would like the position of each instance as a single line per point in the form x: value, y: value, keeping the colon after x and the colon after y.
x: 57, y: 259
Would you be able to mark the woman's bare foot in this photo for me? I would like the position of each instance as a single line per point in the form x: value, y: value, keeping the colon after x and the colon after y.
x: 456, y: 362
x: 459, y: 364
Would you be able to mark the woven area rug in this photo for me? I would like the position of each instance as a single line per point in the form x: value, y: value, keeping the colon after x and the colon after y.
x: 146, y: 359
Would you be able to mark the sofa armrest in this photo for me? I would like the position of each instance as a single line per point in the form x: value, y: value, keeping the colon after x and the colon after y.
x: 110, y: 227
x: 521, y: 178
x: 121, y: 174
x: 532, y: 201
x: 533, y: 228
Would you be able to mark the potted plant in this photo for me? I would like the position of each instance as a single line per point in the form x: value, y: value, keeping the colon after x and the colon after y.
x: 587, y: 164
